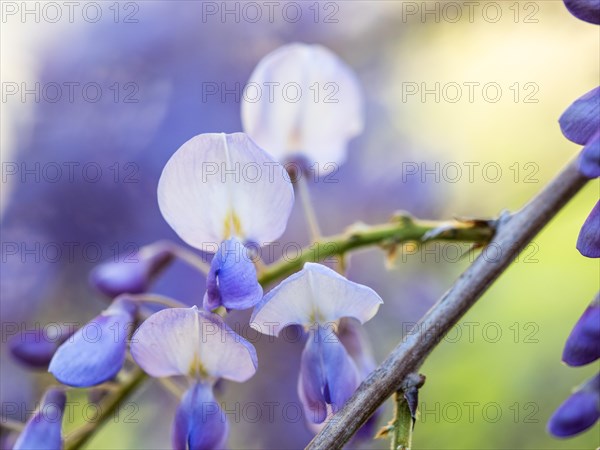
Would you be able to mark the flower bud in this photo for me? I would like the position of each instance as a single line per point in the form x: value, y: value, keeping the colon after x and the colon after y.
x: 35, y: 348
x: 579, y: 412
x: 132, y: 275
x: 583, y: 344
x: 588, y: 242
x: 96, y: 353
x: 43, y: 430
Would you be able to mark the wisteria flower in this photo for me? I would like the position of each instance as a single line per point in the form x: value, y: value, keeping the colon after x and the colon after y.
x: 588, y: 242
x: 355, y: 341
x: 231, y: 282
x: 580, y: 123
x: 583, y: 344
x: 582, y: 409
x: 200, y: 346
x: 317, y: 298
x: 133, y: 274
x: 35, y: 348
x: 43, y: 429
x: 579, y: 412
x: 96, y: 352
x: 588, y: 10
x: 303, y: 101
x: 221, y: 193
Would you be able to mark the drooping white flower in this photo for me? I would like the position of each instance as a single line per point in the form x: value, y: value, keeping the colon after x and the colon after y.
x: 317, y: 298
x: 303, y: 100
x: 199, y: 345
x: 221, y: 192
x: 219, y: 186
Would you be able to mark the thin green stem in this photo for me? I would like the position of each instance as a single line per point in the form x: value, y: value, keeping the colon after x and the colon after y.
x: 190, y: 258
x: 309, y: 210
x: 401, y: 230
x: 401, y: 438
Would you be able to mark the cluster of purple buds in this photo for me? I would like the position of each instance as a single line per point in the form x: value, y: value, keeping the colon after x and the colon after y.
x: 580, y: 123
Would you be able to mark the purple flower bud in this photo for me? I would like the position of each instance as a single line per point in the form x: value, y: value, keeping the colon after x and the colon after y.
x: 583, y: 344
x: 43, y: 430
x: 589, y: 158
x: 588, y: 242
x: 579, y: 412
x: 328, y: 376
x: 232, y: 281
x: 132, y: 275
x: 35, y: 348
x: 580, y: 123
x: 96, y: 352
x: 588, y: 10
x: 200, y: 423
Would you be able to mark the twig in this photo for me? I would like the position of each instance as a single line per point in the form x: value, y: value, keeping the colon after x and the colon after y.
x: 401, y: 229
x: 512, y: 236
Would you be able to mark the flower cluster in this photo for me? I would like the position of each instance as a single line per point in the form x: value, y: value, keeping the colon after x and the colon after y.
x: 580, y: 123
x: 224, y: 195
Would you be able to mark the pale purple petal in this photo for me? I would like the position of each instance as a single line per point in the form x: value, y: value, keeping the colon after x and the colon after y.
x: 232, y: 281
x: 217, y: 186
x: 312, y: 381
x: 353, y: 338
x: 315, y: 294
x: 187, y: 341
x: 43, y: 429
x: 96, y: 352
x: 200, y: 423
x: 328, y: 376
x: 342, y: 374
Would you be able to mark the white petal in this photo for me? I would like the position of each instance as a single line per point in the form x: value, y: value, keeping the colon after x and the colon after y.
x: 182, y: 341
x: 217, y: 186
x: 319, y: 125
x: 315, y: 294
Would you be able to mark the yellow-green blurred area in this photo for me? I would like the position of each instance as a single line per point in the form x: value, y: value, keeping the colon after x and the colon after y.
x: 497, y: 378
x: 471, y: 105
